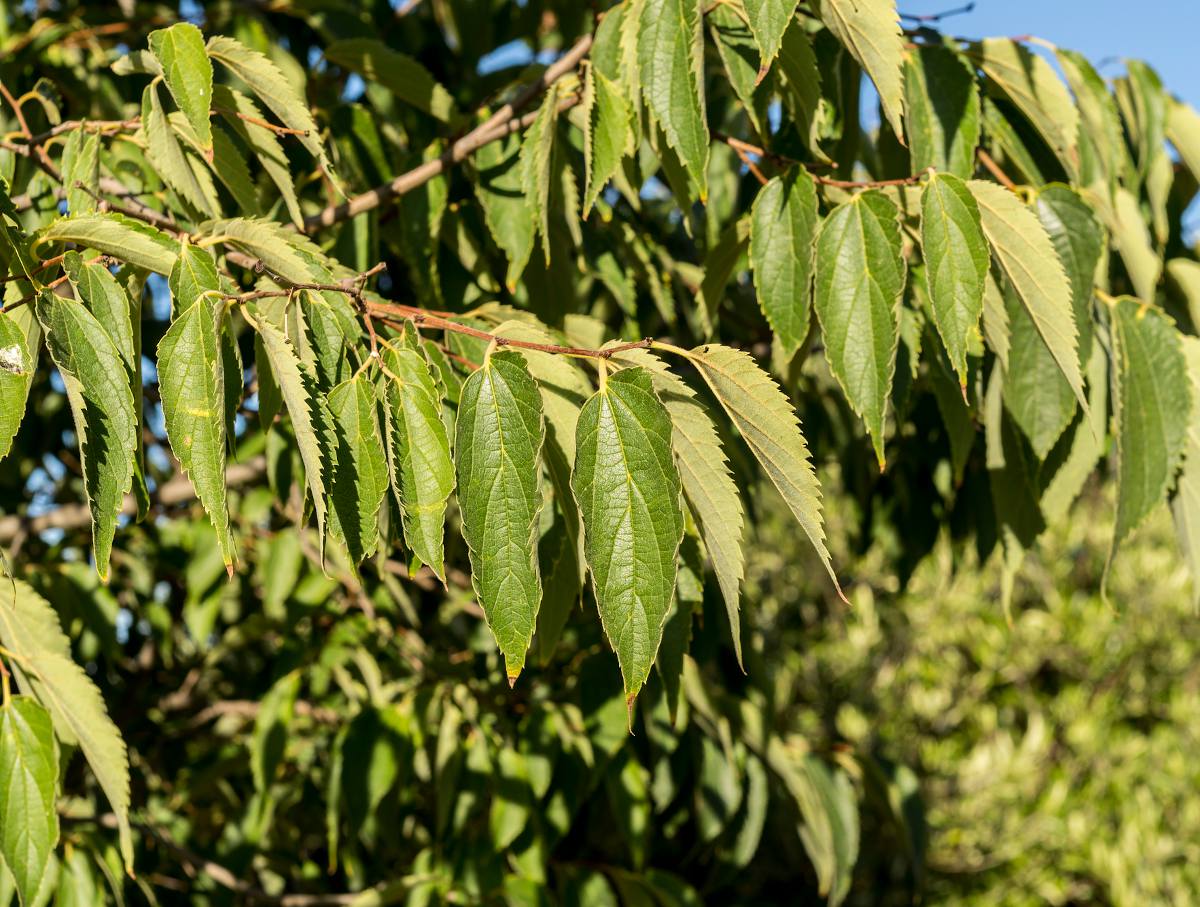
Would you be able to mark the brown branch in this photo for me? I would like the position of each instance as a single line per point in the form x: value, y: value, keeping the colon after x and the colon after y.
x: 87, y: 125
x: 743, y: 148
x: 43, y: 159
x: 496, y: 127
x: 995, y: 170
x: 177, y: 490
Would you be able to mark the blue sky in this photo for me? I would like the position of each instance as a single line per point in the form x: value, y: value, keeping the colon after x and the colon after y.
x: 1164, y: 33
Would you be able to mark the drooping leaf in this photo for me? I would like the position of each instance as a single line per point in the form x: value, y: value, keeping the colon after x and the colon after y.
x: 870, y: 30
x: 1183, y: 131
x: 1036, y: 394
x: 740, y: 54
x: 537, y: 158
x: 1079, y: 241
x: 16, y: 374
x: 769, y: 19
x: 360, y: 482
x: 1087, y: 445
x: 309, y: 420
x: 30, y: 630
x: 422, y: 471
x: 507, y: 211
x: 130, y: 240
x: 399, y: 73
x: 1152, y: 406
x: 195, y: 273
x: 628, y: 489
x: 607, y: 133
x: 187, y: 73
x: 768, y: 425
x: 498, y: 446
x: 1132, y: 237
x: 103, y: 408
x: 860, y: 276
x: 191, y: 379
x: 183, y: 172
x: 264, y: 78
x: 670, y: 67
x: 81, y: 170
x: 1026, y: 255
x: 956, y: 264
x: 240, y: 113
x: 942, y: 116
x: 783, y: 227
x: 28, y: 783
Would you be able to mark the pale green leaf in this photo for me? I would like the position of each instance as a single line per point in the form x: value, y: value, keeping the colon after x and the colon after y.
x: 195, y: 273
x: 1152, y: 406
x: 114, y: 234
x: 768, y: 425
x: 607, y: 133
x: 265, y: 79
x: 261, y: 141
x: 802, y: 78
x: 183, y: 172
x: 870, y: 30
x: 1098, y: 118
x: 537, y: 158
x: 783, y: 228
x: 1185, y: 501
x: 1132, y: 238
x: 628, y: 489
x: 1184, y: 273
x: 670, y: 67
x: 422, y: 471
x: 102, y: 405
x: 1033, y: 86
x: 942, y: 116
x: 30, y: 630
x: 81, y: 164
x: 28, y: 788
x: 1183, y: 131
x: 769, y: 19
x: 498, y: 445
x: 1079, y: 241
x: 1027, y: 256
x: 398, y: 73
x: 297, y: 392
x: 16, y: 374
x: 187, y: 73
x: 860, y: 276
x: 191, y: 378
x: 360, y: 482
x: 956, y: 264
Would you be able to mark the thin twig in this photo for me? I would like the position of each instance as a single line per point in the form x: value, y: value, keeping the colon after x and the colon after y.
x: 995, y: 170
x: 742, y: 148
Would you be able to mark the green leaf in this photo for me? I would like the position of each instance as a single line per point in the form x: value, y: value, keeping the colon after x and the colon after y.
x: 870, y: 30
x: 271, y: 726
x: 607, y: 134
x: 1036, y: 394
x: 264, y: 78
x: 361, y: 481
x: 398, y: 73
x: 1032, y: 85
x: 194, y: 273
x: 191, y: 379
x: 16, y: 374
x: 184, y: 173
x: 956, y: 264
x: 802, y: 78
x: 187, y: 73
x: 1152, y: 406
x: 102, y: 404
x: 114, y: 234
x: 1087, y: 445
x: 768, y: 425
x: 422, y: 471
x: 740, y: 54
x: 628, y: 489
x: 1026, y: 255
x: 1098, y: 118
x: 30, y: 630
x: 860, y: 277
x: 28, y: 787
x: 537, y: 158
x: 1185, y: 501
x: 783, y: 227
x: 1132, y: 238
x: 719, y: 265
x: 708, y: 486
x: 769, y: 19
x: 230, y: 167
x: 670, y: 66
x: 498, y: 443
x: 508, y: 212
x: 262, y: 142
x: 81, y: 164
x: 297, y: 391
x: 942, y: 116
x: 1079, y: 241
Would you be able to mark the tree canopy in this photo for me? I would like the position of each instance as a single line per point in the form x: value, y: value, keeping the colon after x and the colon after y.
x: 390, y: 396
